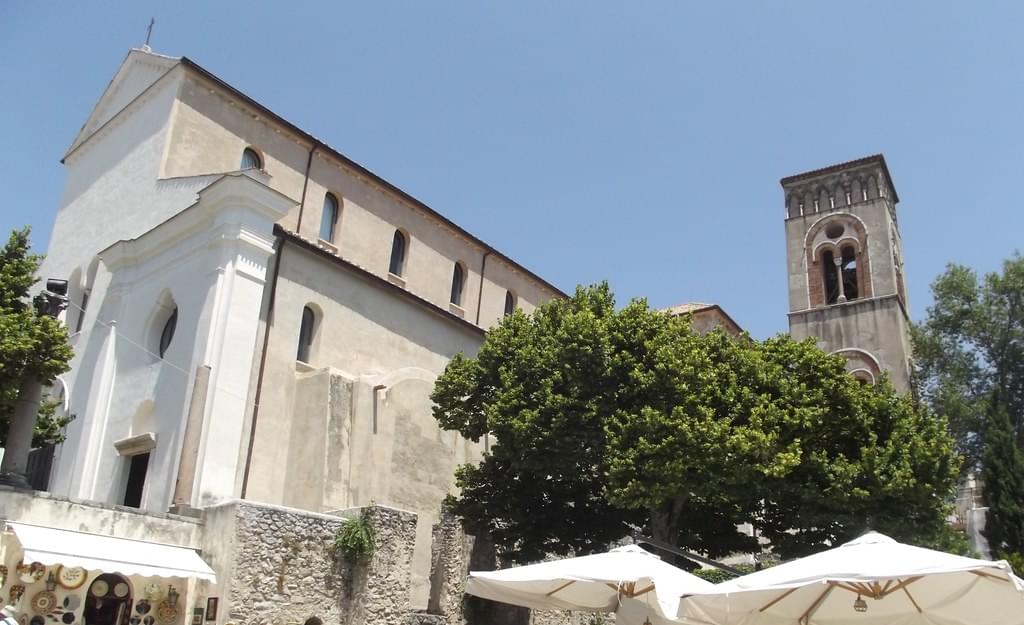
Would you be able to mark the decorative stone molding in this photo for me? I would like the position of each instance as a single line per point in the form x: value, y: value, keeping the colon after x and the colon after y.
x: 135, y: 445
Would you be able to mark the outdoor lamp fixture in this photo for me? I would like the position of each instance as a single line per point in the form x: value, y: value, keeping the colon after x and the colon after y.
x: 860, y: 605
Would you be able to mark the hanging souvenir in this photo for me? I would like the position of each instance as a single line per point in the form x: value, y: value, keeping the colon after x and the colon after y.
x: 44, y: 601
x: 31, y: 573
x: 15, y: 593
x: 121, y: 590
x: 99, y: 588
x: 154, y: 592
x: 3, y: 575
x: 167, y: 613
x: 71, y: 577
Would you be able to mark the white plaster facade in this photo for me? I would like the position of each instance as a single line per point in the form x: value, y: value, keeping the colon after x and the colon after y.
x: 156, y: 217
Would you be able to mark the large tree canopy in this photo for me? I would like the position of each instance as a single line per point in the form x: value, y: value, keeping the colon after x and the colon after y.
x: 31, y: 345
x: 603, y: 419
x: 970, y: 365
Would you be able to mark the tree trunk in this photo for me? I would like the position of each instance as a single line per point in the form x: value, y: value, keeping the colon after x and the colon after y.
x: 665, y: 521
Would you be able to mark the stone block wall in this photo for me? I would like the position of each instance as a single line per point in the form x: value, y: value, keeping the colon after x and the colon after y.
x: 281, y: 568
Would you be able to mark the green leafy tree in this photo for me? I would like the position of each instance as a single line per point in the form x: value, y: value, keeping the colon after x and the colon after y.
x: 1003, y: 478
x: 969, y: 352
x: 604, y: 419
x: 970, y: 365
x: 31, y: 345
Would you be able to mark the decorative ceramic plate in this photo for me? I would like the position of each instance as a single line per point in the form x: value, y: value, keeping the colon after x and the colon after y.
x: 37, y: 620
x: 31, y: 573
x: 68, y: 618
x: 167, y: 613
x: 71, y: 577
x: 147, y: 620
x: 154, y: 591
x: 44, y: 601
x: 142, y: 606
x: 71, y: 602
x: 99, y: 588
x: 121, y: 590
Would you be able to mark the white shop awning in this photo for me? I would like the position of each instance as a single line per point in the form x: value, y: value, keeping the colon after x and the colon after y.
x: 51, y: 546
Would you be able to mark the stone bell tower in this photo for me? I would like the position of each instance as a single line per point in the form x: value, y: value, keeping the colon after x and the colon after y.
x: 845, y: 264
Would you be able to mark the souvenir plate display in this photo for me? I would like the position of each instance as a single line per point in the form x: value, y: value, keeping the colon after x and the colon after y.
x: 167, y: 613
x: 31, y: 573
x: 121, y: 590
x: 71, y: 577
x: 44, y: 601
x: 71, y: 602
x: 99, y: 588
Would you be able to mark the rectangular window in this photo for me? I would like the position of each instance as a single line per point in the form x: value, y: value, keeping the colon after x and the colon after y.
x: 136, y: 480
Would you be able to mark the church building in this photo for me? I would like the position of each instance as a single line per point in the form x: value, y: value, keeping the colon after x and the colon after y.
x: 257, y: 317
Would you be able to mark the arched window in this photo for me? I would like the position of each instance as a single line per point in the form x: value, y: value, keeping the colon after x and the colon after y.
x: 510, y: 303
x: 306, y: 329
x: 329, y: 218
x: 398, y: 244
x: 828, y: 269
x: 167, y: 333
x: 458, y: 277
x: 849, y: 271
x: 251, y: 159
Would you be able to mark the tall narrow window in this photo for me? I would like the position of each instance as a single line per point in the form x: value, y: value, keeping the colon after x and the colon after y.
x: 167, y: 333
x: 306, y: 335
x: 81, y: 311
x: 510, y: 303
x: 828, y: 268
x: 458, y: 277
x: 251, y: 159
x: 849, y: 271
x: 397, y: 264
x: 137, y: 467
x: 329, y: 218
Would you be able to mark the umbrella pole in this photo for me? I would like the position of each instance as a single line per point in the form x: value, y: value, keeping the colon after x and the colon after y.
x: 805, y: 619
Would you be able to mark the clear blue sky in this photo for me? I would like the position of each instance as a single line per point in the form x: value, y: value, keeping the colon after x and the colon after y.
x: 638, y: 142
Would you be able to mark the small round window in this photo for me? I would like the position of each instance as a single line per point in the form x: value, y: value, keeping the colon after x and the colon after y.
x: 834, y: 230
x: 167, y: 333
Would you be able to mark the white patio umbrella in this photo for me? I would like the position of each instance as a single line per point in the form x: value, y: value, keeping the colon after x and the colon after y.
x: 870, y: 580
x: 628, y: 580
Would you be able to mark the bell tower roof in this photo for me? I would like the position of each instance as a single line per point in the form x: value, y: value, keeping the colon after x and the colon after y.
x: 874, y: 162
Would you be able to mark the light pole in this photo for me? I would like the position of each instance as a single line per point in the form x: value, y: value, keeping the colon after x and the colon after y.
x: 49, y: 303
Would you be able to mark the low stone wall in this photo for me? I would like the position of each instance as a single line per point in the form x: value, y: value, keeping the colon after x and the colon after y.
x: 283, y: 569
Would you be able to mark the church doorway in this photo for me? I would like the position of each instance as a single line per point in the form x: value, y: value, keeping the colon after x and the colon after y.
x: 108, y: 601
